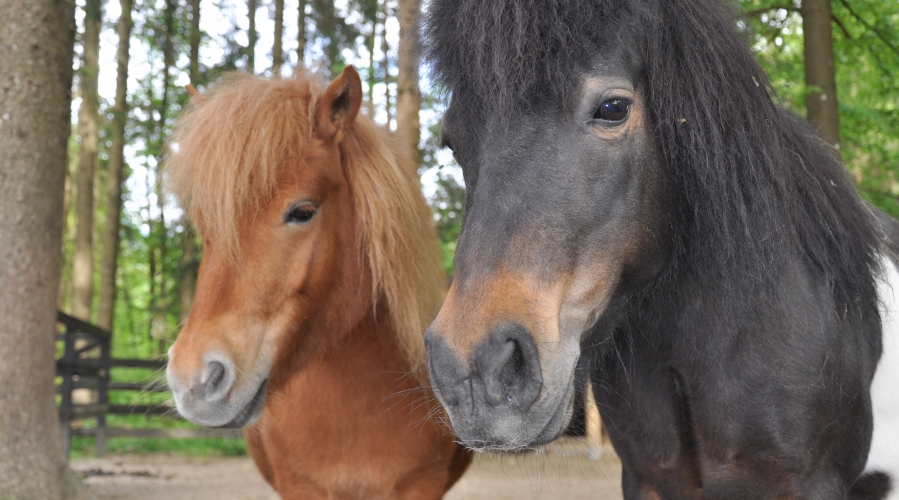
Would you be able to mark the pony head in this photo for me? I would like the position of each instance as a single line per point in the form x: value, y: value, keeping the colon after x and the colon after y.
x: 309, y: 223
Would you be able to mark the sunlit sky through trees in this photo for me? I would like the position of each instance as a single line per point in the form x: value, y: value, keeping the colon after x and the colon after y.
x: 219, y: 21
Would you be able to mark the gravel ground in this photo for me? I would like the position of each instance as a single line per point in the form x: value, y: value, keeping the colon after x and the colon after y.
x: 559, y: 471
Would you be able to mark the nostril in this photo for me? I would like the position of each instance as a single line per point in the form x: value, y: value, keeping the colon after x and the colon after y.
x: 216, y: 384
x: 509, y: 367
x: 512, y: 373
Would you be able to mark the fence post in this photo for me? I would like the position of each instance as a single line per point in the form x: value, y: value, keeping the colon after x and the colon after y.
x: 594, y: 425
x: 103, y: 394
x: 65, y: 424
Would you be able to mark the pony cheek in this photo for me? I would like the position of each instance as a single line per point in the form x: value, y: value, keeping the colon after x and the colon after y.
x: 587, y: 298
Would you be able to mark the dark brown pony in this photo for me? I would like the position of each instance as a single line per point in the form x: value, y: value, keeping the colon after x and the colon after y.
x: 320, y: 272
x: 642, y: 213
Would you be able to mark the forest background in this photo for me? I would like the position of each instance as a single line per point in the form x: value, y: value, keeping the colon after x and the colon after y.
x: 130, y: 259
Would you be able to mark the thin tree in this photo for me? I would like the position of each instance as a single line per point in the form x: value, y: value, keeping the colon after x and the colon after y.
x: 88, y: 130
x: 252, y: 36
x: 161, y: 303
x: 36, y: 77
x: 301, y: 33
x: 189, y: 264
x: 408, y: 94
x: 109, y: 261
x: 372, y: 71
x: 385, y: 48
x: 820, y: 71
x: 278, y: 48
x: 194, y: 42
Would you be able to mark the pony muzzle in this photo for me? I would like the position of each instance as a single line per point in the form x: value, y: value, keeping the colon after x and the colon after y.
x: 493, y: 397
x: 211, y: 396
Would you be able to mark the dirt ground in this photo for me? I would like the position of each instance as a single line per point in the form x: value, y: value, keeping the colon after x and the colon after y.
x: 559, y: 471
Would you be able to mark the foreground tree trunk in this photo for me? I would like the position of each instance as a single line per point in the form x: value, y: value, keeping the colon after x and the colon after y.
x: 820, y: 71
x: 109, y: 262
x: 36, y: 79
x: 408, y: 94
x: 88, y: 130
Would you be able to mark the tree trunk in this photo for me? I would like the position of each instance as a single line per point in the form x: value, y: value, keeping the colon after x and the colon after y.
x: 385, y: 48
x: 161, y: 304
x: 36, y: 80
x: 189, y: 267
x: 109, y: 262
x: 251, y: 37
x: 278, y: 49
x: 194, y: 42
x: 820, y: 71
x: 372, y: 71
x: 88, y: 130
x: 408, y: 95
x: 301, y: 34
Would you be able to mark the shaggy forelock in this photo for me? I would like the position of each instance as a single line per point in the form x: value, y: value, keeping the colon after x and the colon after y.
x: 230, y: 149
x: 501, y: 54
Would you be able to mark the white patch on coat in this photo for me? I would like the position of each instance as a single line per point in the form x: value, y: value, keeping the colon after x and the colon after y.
x: 884, y: 454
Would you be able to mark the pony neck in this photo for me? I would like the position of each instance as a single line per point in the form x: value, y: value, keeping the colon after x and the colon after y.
x: 371, y: 345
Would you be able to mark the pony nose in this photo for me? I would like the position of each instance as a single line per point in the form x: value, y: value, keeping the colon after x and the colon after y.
x: 216, y: 381
x: 503, y: 372
x: 509, y: 367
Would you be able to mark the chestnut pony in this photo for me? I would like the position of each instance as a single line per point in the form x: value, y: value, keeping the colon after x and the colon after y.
x: 320, y: 272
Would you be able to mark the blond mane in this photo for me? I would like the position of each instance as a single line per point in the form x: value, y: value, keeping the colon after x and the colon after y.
x: 230, y: 150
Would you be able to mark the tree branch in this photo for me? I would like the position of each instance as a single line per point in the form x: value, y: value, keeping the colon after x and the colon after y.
x: 842, y: 26
x: 870, y: 27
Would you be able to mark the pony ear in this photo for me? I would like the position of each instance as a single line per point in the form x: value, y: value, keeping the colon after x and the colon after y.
x: 195, y: 94
x: 338, y: 105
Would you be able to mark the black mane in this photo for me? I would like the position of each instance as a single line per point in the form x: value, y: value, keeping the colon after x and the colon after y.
x: 755, y: 183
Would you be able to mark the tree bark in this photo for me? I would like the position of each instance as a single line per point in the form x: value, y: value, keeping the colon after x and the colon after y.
x: 251, y: 37
x: 385, y: 48
x: 301, y: 34
x: 189, y: 264
x: 109, y: 262
x: 158, y: 328
x: 408, y: 94
x: 35, y: 100
x: 820, y: 71
x: 278, y: 48
x: 372, y: 70
x: 194, y: 42
x: 189, y: 268
x: 88, y: 130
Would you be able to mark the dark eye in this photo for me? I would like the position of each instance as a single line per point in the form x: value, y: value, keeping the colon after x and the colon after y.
x: 300, y: 214
x: 613, y: 110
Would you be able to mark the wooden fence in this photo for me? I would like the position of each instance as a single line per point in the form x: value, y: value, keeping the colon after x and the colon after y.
x: 87, y: 363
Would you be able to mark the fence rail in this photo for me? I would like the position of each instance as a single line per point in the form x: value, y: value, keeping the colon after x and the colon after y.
x: 86, y: 363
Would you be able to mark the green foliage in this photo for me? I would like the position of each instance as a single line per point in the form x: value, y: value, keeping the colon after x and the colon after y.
x: 866, y: 37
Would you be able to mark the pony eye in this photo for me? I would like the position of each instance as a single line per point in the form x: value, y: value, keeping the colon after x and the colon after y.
x: 613, y: 110
x: 299, y: 214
